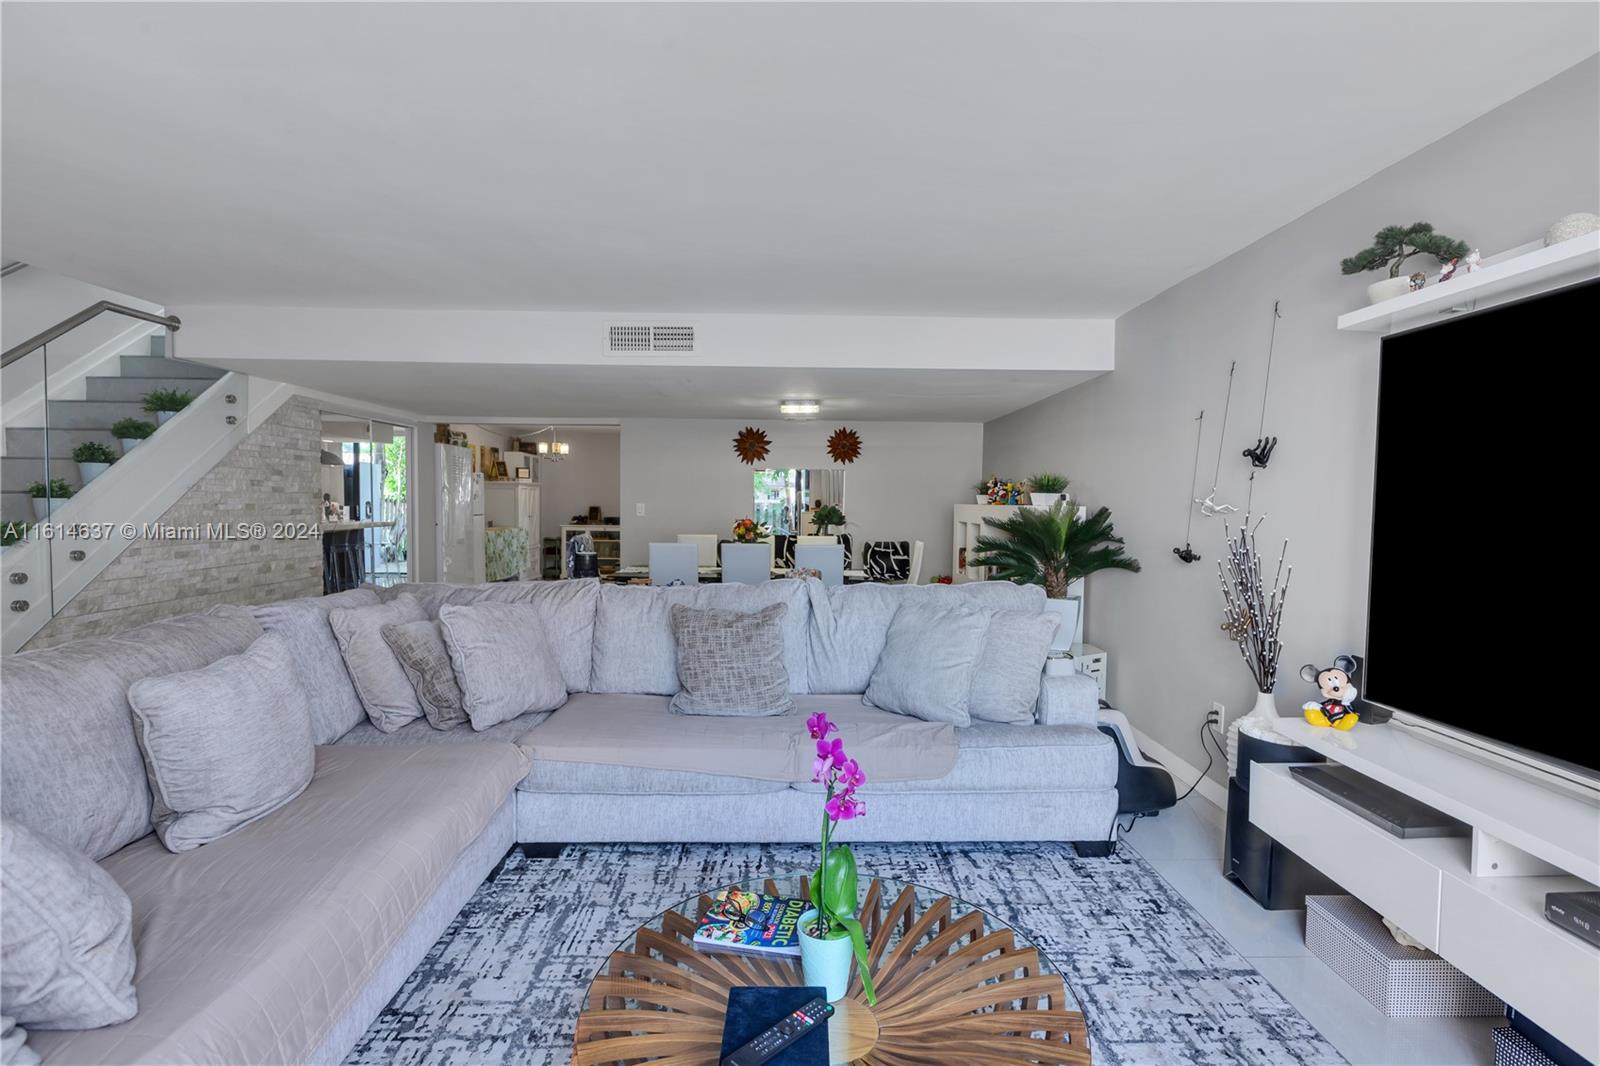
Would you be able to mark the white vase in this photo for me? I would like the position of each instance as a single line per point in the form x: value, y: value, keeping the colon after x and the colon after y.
x: 1569, y: 226
x: 43, y: 508
x: 163, y: 417
x: 1265, y: 710
x: 87, y: 472
x: 1388, y: 289
x: 129, y: 443
x: 825, y: 962
x: 982, y: 498
x: 1068, y: 609
x: 1044, y: 499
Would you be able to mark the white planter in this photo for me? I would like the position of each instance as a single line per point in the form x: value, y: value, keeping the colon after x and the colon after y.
x: 43, y: 508
x: 825, y: 962
x: 981, y: 498
x: 1068, y: 609
x: 87, y: 472
x: 1388, y: 289
x: 1044, y: 499
x: 162, y: 417
x: 129, y: 443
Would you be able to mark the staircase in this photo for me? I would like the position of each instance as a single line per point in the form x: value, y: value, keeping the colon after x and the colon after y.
x: 106, y: 398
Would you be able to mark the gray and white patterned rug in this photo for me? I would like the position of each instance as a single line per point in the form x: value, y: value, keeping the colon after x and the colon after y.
x: 1158, y: 985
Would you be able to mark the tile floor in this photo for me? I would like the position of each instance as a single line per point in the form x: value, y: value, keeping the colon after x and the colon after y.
x: 1185, y: 846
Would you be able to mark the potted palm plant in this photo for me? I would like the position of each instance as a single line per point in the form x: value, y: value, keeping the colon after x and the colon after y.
x: 1053, y: 548
x: 130, y: 431
x: 93, y: 459
x: 1044, y: 490
x: 47, y: 498
x: 164, y: 403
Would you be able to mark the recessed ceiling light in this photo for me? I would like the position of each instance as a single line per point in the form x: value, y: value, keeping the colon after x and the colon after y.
x: 800, y: 408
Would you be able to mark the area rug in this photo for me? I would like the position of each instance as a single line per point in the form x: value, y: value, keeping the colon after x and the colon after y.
x: 1158, y: 985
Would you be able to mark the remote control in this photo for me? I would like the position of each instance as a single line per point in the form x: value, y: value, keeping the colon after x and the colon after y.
x: 789, y: 1029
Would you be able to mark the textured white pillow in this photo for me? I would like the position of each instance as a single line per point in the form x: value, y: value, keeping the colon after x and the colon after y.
x: 930, y: 654
x: 381, y: 682
x: 503, y: 662
x: 1005, y: 685
x: 66, y: 936
x: 225, y: 744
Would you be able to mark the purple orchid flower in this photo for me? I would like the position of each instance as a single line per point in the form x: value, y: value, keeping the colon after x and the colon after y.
x: 830, y: 755
x: 819, y: 726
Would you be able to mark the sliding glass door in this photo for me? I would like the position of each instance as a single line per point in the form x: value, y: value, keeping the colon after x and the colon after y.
x: 367, y: 467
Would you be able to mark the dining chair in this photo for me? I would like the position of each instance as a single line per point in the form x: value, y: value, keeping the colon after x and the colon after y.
x: 674, y: 564
x: 886, y: 560
x: 828, y: 559
x: 915, y: 573
x: 746, y: 564
x: 705, y: 544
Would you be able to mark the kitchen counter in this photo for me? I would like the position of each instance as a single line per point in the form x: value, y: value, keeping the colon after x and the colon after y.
x: 346, y: 527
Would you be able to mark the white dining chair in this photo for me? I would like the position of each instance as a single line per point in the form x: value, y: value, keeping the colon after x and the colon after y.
x: 674, y: 564
x: 915, y: 572
x: 828, y: 559
x: 705, y: 544
x: 746, y: 564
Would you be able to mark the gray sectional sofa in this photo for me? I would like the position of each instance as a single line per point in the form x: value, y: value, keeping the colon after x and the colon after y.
x: 282, y: 940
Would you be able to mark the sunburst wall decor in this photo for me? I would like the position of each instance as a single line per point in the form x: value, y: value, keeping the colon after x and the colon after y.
x: 845, y: 445
x: 751, y: 445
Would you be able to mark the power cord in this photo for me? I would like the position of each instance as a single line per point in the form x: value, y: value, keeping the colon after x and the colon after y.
x: 1205, y: 731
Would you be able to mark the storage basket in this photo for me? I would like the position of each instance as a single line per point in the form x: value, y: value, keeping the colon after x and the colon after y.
x: 1511, y: 1048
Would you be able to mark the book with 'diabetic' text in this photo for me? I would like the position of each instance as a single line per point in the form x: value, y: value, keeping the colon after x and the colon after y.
x: 751, y: 923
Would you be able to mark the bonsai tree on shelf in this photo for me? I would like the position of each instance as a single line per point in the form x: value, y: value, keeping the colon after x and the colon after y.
x: 1393, y: 245
x: 825, y: 517
x: 1052, y: 548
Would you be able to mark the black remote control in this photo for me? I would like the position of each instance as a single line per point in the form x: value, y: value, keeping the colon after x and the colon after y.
x: 789, y: 1029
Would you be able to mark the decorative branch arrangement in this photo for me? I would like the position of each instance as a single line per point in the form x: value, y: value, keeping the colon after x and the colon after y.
x: 1251, y: 614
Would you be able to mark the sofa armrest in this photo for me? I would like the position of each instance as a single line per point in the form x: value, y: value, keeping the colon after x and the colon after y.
x: 1068, y: 699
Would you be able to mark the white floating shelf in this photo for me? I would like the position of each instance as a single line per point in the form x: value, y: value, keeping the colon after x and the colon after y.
x: 1520, y: 275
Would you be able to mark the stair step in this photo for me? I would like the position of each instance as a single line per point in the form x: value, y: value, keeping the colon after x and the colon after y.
x: 16, y: 474
x: 155, y: 366
x: 133, y: 389
x: 92, y: 414
x: 16, y: 507
x: 29, y: 443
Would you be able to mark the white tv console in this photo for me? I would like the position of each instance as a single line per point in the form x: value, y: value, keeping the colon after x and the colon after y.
x: 1478, y: 902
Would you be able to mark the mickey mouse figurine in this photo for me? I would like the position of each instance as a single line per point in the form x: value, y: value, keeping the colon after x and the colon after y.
x: 1336, y: 684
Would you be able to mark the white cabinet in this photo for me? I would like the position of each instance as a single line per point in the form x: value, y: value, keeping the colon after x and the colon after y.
x: 516, y: 503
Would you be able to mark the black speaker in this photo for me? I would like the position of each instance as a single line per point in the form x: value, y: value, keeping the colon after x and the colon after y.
x: 1275, y: 877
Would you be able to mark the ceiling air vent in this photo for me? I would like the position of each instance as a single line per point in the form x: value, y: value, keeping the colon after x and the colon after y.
x: 652, y: 338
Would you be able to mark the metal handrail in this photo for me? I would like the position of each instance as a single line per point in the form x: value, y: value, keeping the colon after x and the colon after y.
x: 68, y: 325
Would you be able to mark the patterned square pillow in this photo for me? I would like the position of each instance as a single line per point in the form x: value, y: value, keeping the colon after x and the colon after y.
x: 730, y: 663
x: 419, y: 646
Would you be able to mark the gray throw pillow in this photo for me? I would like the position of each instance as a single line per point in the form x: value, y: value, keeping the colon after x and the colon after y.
x: 930, y: 655
x: 225, y: 744
x: 335, y: 707
x: 380, y: 681
x: 503, y: 662
x: 66, y: 936
x: 419, y: 646
x: 730, y: 662
x: 1005, y: 685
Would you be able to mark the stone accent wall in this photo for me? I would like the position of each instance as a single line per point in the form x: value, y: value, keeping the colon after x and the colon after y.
x: 271, y: 476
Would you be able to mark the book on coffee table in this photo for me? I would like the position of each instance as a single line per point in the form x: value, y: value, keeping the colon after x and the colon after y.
x: 751, y: 923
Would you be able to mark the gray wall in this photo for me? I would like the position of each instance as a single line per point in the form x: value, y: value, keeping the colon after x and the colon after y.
x: 270, y: 476
x: 590, y: 475
x: 909, y: 476
x: 1127, y: 438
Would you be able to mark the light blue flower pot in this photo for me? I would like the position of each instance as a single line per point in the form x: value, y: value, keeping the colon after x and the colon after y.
x: 825, y: 962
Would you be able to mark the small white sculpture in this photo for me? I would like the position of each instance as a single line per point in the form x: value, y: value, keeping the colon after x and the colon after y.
x: 1473, y: 261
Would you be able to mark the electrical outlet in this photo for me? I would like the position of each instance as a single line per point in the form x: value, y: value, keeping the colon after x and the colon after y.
x: 638, y: 510
x: 1217, y: 714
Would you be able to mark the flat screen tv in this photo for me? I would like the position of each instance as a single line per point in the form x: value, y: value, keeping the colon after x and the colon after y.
x: 1481, y: 591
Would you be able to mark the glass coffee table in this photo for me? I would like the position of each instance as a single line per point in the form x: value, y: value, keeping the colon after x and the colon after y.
x: 954, y: 984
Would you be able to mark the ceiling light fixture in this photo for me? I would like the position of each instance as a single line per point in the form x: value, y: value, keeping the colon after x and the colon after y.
x: 551, y: 449
x: 800, y: 408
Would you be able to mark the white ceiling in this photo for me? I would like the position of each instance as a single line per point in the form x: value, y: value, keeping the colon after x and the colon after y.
x: 983, y: 159
x: 526, y: 394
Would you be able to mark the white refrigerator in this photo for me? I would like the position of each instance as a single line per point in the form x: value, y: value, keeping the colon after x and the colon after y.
x: 458, y: 516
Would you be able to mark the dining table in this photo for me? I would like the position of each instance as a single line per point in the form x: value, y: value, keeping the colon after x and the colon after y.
x: 623, y: 575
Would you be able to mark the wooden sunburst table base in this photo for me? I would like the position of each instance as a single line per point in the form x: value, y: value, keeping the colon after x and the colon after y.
x: 952, y: 988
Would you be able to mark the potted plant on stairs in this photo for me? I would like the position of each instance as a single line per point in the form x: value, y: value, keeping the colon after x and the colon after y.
x: 93, y: 459
x: 47, y: 498
x: 164, y: 403
x: 1053, y: 548
x: 831, y: 936
x: 130, y: 431
x: 1044, y: 490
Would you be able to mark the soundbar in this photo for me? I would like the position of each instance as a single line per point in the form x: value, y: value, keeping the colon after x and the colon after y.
x: 1389, y: 809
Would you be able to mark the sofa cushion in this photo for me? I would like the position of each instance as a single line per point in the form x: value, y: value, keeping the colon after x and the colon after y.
x: 66, y: 946
x: 503, y: 663
x: 304, y: 624
x: 929, y: 657
x: 251, y: 948
x: 1005, y: 686
x: 70, y: 766
x: 565, y: 608
x: 730, y: 662
x: 850, y: 622
x: 515, y: 731
x: 223, y: 745
x: 634, y: 650
x: 1016, y: 758
x: 380, y: 680
x: 419, y: 648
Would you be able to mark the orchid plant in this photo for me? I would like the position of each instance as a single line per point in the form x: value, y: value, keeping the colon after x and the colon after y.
x: 834, y: 886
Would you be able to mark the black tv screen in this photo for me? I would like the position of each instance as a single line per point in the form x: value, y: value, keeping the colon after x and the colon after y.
x: 1484, y: 484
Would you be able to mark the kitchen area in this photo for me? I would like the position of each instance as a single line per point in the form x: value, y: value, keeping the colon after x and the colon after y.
x: 365, y: 506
